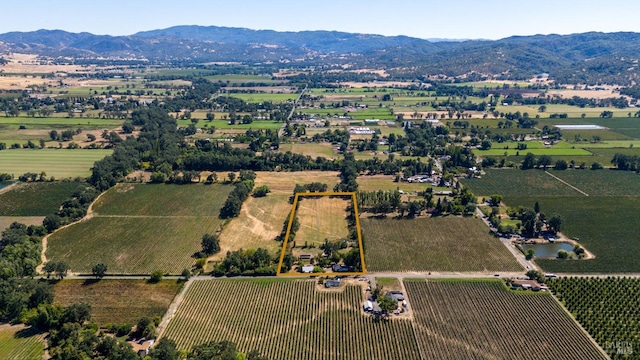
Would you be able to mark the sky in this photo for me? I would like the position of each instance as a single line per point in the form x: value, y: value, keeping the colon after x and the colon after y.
x: 451, y: 19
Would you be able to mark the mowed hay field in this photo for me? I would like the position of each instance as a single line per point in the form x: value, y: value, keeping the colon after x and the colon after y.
x: 261, y: 219
x: 116, y: 301
x: 288, y: 319
x: 434, y: 244
x: 483, y: 320
x: 322, y: 218
x: 6, y: 221
x: 18, y: 342
x: 136, y: 239
x: 59, y: 163
x: 36, y: 199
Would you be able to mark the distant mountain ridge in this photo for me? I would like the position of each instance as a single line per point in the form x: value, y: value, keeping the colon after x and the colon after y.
x: 585, y: 57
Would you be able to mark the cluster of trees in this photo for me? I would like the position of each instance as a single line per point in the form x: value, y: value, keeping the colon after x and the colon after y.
x: 626, y: 162
x: 348, y: 174
x: 379, y: 202
x: 166, y: 349
x: 20, y: 249
x: 250, y: 262
x: 463, y: 203
x: 532, y: 221
x: 72, y: 209
x: 240, y: 193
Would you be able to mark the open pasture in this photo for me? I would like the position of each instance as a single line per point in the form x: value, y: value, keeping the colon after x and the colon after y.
x: 116, y: 301
x: 6, y: 221
x: 18, y: 342
x: 59, y: 163
x: 385, y: 182
x: 262, y: 97
x: 322, y: 218
x: 483, y: 320
x: 36, y: 199
x: 288, y: 319
x: 261, y: 219
x: 310, y: 149
x: 444, y: 244
x: 224, y: 124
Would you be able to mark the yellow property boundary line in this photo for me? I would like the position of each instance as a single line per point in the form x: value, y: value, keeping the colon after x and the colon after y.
x: 292, y: 216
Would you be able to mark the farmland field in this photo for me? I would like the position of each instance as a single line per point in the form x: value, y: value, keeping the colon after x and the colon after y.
x: 6, y: 221
x: 261, y: 219
x: 482, y: 319
x: 310, y: 149
x: 58, y: 123
x: 287, y: 319
x: 433, y: 244
x: 604, y: 225
x: 136, y: 237
x: 167, y: 200
x: 601, y: 221
x: 60, y: 163
x: 118, y: 301
x: 515, y: 182
x: 131, y: 245
x: 18, y: 342
x: 322, y: 218
x: 36, y: 199
x: 606, y: 308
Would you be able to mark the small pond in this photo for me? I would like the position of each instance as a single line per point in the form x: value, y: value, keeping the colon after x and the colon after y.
x: 549, y: 250
x: 4, y: 184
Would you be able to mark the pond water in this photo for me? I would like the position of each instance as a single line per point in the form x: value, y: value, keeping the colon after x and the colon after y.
x: 547, y: 250
x: 4, y: 184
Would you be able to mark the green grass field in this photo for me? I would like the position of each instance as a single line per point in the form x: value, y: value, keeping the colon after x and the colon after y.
x: 18, y: 342
x: 497, y: 151
x: 310, y: 149
x: 262, y: 97
x: 224, y: 124
x: 36, y: 199
x: 55, y: 123
x: 142, y: 236
x: 434, y: 244
x: 60, y: 163
x: 115, y: 301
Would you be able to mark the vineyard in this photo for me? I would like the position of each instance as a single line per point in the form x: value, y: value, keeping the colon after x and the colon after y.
x: 433, y: 244
x: 20, y: 343
x: 517, y: 183
x: 36, y: 199
x: 608, y: 308
x: 162, y: 200
x: 483, y: 320
x: 142, y: 228
x: 604, y: 225
x: 288, y: 319
x: 116, y: 301
x: 129, y: 245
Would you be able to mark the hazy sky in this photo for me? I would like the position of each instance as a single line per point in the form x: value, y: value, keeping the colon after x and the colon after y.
x: 488, y: 19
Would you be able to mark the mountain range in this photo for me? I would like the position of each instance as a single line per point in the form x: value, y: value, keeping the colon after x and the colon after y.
x: 586, y: 57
